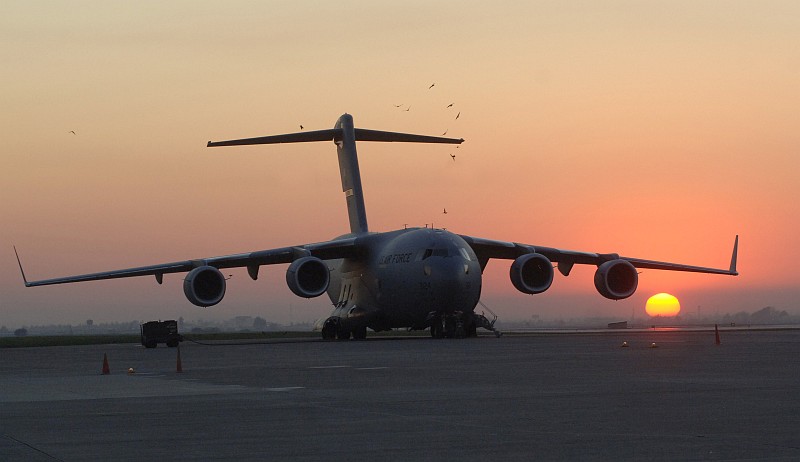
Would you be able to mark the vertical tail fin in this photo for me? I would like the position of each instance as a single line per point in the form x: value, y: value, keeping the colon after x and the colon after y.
x: 351, y: 175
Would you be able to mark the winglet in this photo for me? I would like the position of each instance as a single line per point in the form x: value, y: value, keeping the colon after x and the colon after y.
x: 734, y: 256
x: 24, y: 279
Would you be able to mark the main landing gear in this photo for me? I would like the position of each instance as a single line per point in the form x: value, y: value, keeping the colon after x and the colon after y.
x: 335, y: 329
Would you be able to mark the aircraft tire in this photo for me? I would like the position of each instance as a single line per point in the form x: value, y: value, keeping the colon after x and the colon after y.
x: 343, y: 334
x: 460, y: 332
x: 449, y: 327
x: 436, y: 328
x: 360, y: 333
x: 330, y: 328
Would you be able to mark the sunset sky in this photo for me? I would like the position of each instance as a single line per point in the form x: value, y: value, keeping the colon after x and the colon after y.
x: 656, y: 130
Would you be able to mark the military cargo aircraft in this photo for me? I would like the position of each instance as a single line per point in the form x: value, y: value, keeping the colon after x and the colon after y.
x: 415, y: 278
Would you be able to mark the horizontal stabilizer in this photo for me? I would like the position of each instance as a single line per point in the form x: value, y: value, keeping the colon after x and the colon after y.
x: 362, y: 134
x: 335, y: 134
x: 299, y: 137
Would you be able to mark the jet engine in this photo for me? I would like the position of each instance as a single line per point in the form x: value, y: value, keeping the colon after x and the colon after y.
x: 616, y: 279
x: 204, y: 286
x: 532, y: 273
x: 308, y: 277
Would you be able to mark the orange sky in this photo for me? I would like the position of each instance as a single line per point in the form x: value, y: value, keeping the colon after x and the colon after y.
x: 653, y: 129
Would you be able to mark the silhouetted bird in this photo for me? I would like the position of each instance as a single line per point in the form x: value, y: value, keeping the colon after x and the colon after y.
x: 397, y: 105
x: 73, y: 132
x: 408, y: 108
x: 301, y: 127
x: 445, y: 211
x: 457, y: 115
x: 453, y: 156
x: 432, y: 85
x: 445, y: 132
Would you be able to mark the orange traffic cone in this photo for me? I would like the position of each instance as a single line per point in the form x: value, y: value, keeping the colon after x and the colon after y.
x: 179, y: 368
x: 106, y: 370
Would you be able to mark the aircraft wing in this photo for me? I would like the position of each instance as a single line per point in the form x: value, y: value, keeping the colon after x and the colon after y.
x: 486, y: 249
x: 337, y: 248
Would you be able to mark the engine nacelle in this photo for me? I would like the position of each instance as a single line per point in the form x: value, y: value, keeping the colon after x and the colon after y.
x: 616, y: 279
x: 204, y: 286
x: 308, y: 277
x: 532, y: 273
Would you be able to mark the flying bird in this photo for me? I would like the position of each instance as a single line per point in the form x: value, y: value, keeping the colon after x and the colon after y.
x: 397, y: 105
x: 453, y: 156
x: 408, y: 108
x: 457, y: 115
x: 445, y: 211
x: 449, y: 105
x: 432, y: 85
x: 301, y: 127
x: 445, y: 132
x: 72, y: 131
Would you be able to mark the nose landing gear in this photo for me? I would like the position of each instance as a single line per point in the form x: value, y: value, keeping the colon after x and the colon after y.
x: 459, y: 324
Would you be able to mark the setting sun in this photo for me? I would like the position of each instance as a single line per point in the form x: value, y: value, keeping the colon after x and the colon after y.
x: 662, y: 305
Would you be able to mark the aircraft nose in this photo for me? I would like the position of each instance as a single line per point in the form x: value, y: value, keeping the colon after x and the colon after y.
x: 453, y: 283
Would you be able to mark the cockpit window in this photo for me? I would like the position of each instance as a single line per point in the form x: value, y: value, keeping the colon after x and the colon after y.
x: 445, y: 252
x: 435, y: 253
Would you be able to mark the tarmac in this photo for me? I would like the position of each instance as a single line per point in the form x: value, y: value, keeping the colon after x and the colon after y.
x: 574, y: 396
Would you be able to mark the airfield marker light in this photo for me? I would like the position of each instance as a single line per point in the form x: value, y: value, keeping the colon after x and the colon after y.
x: 130, y: 371
x: 653, y: 345
x: 106, y: 370
x: 624, y: 345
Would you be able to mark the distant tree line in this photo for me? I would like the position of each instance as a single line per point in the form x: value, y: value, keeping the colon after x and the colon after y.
x: 766, y: 315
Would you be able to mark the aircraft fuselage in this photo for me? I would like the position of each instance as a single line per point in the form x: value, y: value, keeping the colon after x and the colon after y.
x: 403, y: 277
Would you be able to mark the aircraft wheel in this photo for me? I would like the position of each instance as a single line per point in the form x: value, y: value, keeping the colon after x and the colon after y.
x: 332, y: 329
x: 329, y: 331
x: 460, y: 332
x: 436, y: 329
x: 360, y: 333
x: 449, y: 327
x: 343, y: 334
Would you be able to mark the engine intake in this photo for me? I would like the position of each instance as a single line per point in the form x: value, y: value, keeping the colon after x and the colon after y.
x: 616, y: 279
x: 532, y: 273
x: 308, y: 277
x: 204, y: 286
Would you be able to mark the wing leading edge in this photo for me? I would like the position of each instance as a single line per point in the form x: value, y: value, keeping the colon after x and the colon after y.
x: 487, y: 249
x: 337, y: 248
